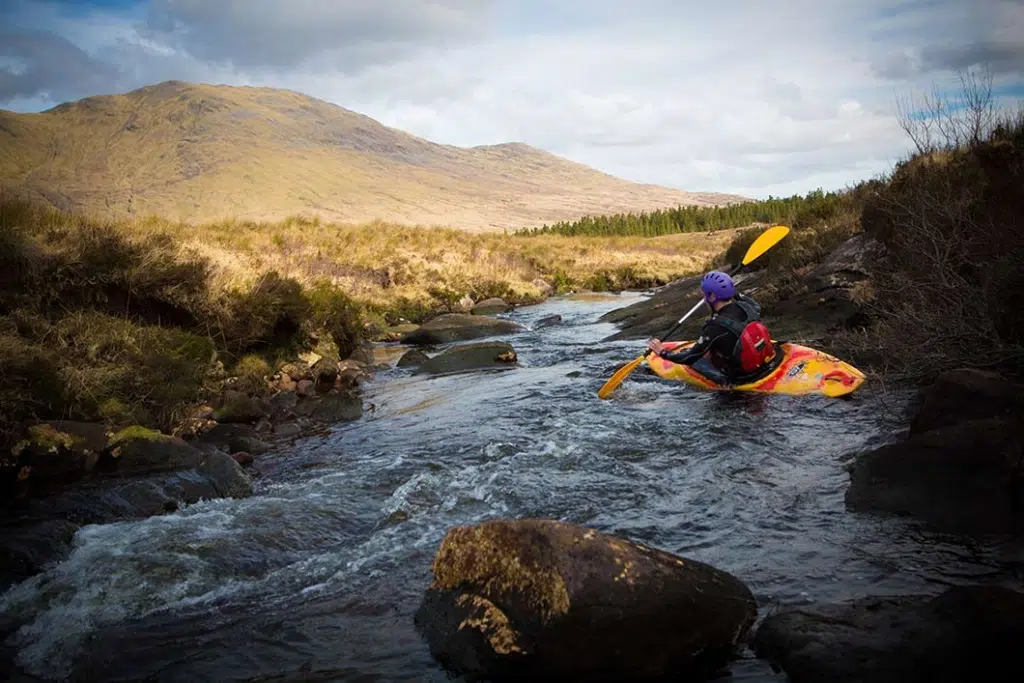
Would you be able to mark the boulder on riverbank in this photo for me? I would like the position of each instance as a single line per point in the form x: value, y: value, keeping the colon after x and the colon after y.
x: 453, y: 327
x: 965, y: 394
x: 968, y: 633
x: 960, y: 470
x: 475, y: 356
x: 552, y: 600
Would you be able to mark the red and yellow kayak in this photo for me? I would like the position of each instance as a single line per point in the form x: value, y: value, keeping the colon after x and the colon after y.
x: 802, y: 371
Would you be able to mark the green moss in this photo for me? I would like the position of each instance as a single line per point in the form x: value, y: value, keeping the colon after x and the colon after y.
x: 486, y: 559
x: 46, y: 438
x: 138, y: 433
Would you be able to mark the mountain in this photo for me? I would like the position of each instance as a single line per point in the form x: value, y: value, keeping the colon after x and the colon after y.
x: 197, y: 152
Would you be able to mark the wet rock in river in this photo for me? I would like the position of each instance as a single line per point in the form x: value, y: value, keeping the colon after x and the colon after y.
x: 547, y: 321
x: 226, y: 476
x: 281, y: 405
x: 412, y: 358
x: 491, y: 306
x: 234, y: 438
x: 547, y: 599
x: 965, y: 394
x: 960, y: 469
x: 964, y: 478
x: 235, y: 406
x: 352, y: 373
x: 968, y: 633
x: 101, y: 500
x: 287, y: 430
x: 474, y: 356
x: 339, y: 407
x: 453, y: 327
x: 364, y: 354
x: 28, y: 545
x: 137, y: 450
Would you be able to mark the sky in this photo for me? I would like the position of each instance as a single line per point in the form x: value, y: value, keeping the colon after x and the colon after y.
x: 743, y: 96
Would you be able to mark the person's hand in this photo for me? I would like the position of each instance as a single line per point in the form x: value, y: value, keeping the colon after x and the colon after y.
x: 655, y: 346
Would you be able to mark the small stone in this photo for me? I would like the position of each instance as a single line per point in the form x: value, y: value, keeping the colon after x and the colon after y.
x: 242, y: 458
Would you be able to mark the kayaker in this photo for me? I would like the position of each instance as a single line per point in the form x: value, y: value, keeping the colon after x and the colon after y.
x: 734, y: 339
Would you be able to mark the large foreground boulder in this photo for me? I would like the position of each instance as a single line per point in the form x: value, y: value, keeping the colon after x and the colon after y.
x: 477, y: 356
x: 968, y: 633
x: 453, y: 327
x: 541, y: 599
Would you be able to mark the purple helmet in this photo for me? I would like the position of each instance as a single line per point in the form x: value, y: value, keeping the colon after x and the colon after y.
x: 718, y: 283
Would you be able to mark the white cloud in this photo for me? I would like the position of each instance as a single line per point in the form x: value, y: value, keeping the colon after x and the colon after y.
x: 749, y: 97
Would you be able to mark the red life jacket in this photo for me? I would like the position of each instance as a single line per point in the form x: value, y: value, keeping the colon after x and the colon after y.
x: 754, y: 348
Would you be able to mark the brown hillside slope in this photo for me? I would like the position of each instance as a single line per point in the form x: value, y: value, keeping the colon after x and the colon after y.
x: 203, y: 153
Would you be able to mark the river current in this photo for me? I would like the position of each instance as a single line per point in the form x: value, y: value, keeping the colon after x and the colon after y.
x: 318, y: 574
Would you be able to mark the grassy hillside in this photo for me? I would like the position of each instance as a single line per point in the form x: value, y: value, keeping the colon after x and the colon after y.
x: 205, y: 153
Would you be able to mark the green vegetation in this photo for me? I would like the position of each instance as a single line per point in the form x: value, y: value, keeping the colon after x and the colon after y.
x: 97, y: 324
x: 787, y: 211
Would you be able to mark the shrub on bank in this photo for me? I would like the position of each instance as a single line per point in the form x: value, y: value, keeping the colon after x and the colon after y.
x: 97, y: 324
x: 951, y: 289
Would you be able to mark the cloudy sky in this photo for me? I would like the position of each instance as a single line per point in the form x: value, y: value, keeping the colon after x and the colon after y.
x: 739, y: 96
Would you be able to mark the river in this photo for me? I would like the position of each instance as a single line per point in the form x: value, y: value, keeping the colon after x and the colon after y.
x: 317, y: 575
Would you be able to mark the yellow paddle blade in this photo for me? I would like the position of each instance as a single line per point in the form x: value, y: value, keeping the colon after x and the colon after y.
x: 768, y: 239
x: 616, y: 379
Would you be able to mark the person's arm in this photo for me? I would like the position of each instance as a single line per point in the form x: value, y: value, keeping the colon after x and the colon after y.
x: 694, y: 353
